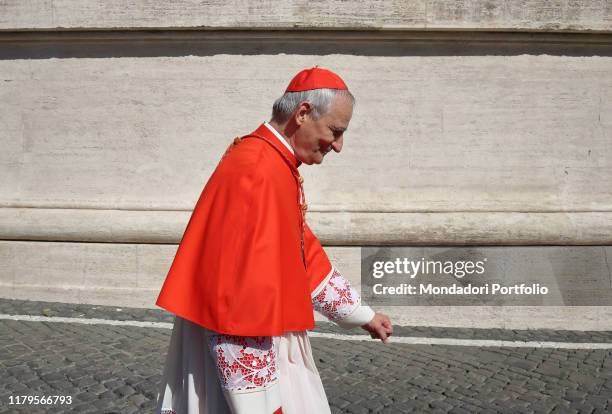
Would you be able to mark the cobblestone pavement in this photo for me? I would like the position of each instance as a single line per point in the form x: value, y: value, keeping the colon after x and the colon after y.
x: 116, y: 369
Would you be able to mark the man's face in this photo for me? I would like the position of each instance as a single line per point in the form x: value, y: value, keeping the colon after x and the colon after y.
x: 315, y: 138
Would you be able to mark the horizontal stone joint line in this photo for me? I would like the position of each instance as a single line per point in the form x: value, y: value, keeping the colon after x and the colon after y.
x: 311, y: 209
x: 305, y: 33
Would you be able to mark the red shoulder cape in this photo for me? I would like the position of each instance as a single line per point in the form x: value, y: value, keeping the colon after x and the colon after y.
x: 238, y: 268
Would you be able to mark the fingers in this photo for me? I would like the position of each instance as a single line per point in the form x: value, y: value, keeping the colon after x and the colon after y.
x: 380, y: 327
x: 379, y: 332
x: 389, y: 327
x: 386, y: 328
x: 382, y: 334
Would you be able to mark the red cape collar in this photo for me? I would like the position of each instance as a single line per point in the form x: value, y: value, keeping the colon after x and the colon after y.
x: 266, y: 133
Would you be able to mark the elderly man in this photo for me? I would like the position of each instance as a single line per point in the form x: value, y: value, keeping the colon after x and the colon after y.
x: 248, y: 271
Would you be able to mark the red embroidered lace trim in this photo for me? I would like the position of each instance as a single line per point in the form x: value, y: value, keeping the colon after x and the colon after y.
x: 337, y: 299
x: 244, y: 362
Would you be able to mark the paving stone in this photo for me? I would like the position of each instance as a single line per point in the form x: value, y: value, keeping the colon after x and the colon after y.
x: 356, y: 409
x: 441, y: 405
x: 459, y: 410
x: 545, y: 406
x: 525, y: 364
x: 565, y: 410
x: 599, y: 401
x: 125, y: 391
x: 575, y: 395
x: 550, y: 370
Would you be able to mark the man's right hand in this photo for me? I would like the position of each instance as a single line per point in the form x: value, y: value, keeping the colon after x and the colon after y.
x: 379, y: 327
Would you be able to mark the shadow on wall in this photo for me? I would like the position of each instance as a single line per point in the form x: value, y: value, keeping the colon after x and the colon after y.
x: 154, y: 43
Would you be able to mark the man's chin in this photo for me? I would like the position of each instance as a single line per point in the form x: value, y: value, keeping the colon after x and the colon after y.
x: 316, y: 159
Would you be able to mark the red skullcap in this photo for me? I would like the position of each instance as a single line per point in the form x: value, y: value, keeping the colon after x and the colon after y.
x: 315, y: 78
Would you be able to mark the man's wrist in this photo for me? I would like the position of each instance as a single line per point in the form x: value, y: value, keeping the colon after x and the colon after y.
x: 360, y: 316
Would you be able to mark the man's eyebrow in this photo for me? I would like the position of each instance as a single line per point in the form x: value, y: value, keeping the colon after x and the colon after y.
x: 338, y: 129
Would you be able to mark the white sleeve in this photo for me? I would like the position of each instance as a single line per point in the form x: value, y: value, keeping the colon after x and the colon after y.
x: 340, y: 302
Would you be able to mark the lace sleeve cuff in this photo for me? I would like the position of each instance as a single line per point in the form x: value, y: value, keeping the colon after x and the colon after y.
x: 340, y: 302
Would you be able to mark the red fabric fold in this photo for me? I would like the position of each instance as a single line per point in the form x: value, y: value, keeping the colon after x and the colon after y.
x: 238, y: 268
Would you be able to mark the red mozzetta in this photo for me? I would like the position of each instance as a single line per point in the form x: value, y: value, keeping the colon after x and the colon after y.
x: 238, y: 269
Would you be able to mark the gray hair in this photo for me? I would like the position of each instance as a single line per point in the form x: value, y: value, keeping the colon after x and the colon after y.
x: 320, y: 99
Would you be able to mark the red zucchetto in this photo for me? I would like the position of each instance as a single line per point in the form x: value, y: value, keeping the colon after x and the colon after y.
x: 315, y: 78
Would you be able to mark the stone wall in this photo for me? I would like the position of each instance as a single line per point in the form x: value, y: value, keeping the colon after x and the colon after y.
x: 477, y: 122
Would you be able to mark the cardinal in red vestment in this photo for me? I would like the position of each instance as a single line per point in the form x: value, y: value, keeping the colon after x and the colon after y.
x: 249, y: 271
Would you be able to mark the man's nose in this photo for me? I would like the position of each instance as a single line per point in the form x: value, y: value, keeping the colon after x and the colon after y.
x: 337, y: 144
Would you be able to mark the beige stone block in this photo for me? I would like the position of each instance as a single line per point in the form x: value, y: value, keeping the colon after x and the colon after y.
x: 154, y: 262
x: 49, y: 264
x: 477, y: 133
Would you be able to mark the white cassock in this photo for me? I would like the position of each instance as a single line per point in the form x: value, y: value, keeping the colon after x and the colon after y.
x: 210, y: 373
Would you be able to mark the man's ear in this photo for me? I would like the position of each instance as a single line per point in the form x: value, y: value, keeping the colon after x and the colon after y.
x: 302, y: 111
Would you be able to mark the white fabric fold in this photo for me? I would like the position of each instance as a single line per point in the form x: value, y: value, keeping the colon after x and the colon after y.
x: 263, y: 401
x: 301, y: 389
x: 190, y: 382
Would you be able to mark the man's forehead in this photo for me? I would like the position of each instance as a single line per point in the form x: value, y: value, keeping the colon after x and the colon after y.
x: 341, y: 111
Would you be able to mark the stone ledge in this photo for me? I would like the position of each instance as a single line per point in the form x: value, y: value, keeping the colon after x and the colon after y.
x: 171, y: 42
x: 333, y: 228
x: 497, y: 15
